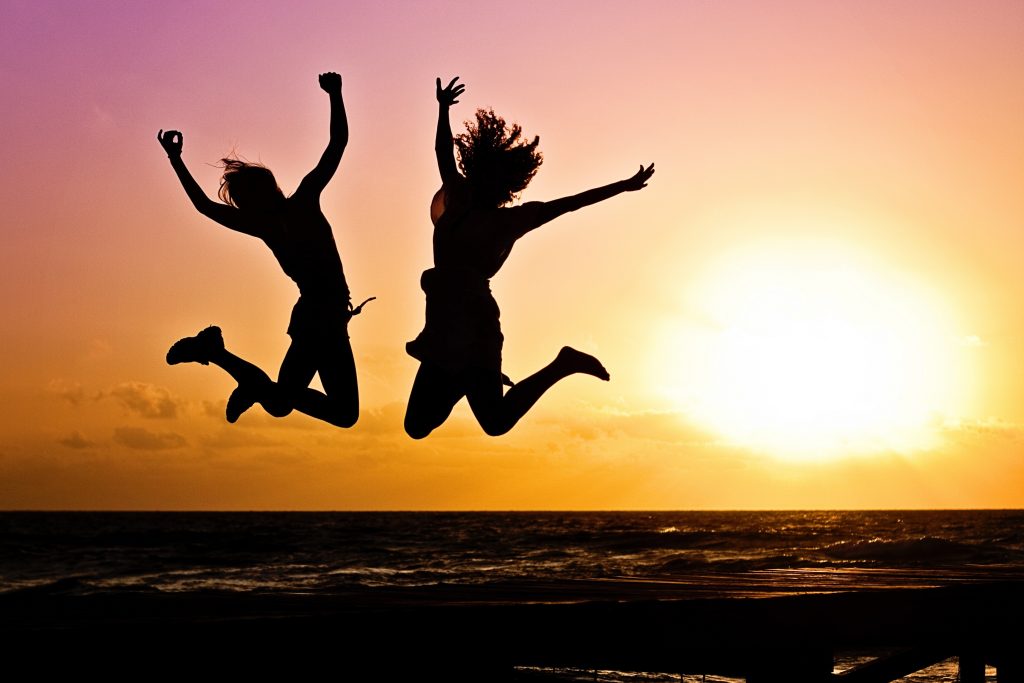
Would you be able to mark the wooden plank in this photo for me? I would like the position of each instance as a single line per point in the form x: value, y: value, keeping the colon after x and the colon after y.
x: 792, y: 665
x: 972, y: 667
x: 898, y: 664
x: 1010, y: 667
x: 462, y: 629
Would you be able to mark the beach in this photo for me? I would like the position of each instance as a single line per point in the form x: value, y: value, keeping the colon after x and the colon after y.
x: 464, y: 634
x: 123, y: 599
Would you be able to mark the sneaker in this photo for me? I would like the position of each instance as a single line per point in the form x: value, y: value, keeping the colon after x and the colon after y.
x: 197, y: 349
x: 240, y: 400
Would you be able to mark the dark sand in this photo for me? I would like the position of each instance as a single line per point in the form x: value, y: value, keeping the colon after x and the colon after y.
x: 479, y: 633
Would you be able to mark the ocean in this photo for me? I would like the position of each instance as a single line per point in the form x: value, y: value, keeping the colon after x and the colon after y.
x: 704, y: 553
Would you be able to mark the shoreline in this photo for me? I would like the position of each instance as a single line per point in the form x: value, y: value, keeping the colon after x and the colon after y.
x: 620, y: 625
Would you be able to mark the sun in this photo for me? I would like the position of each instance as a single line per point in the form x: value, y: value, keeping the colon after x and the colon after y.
x: 816, y: 351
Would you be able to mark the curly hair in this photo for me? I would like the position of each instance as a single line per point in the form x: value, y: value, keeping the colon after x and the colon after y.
x: 244, y: 181
x: 497, y: 162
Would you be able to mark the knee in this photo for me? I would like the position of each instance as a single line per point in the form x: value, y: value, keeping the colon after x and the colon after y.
x: 417, y: 430
x: 345, y: 419
x: 276, y: 400
x: 495, y: 427
x: 277, y: 408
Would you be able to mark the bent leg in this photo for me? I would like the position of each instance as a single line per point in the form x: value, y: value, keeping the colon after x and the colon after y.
x: 208, y: 347
x: 241, y: 370
x: 338, y: 404
x: 254, y: 386
x: 498, y: 413
x: 433, y: 396
x: 291, y: 392
x: 339, y: 407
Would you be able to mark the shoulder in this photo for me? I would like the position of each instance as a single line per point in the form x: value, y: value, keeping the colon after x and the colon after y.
x: 522, y: 218
x: 454, y: 197
x: 304, y: 195
x: 523, y: 210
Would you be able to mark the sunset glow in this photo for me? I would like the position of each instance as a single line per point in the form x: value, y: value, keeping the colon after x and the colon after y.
x: 819, y: 353
x: 816, y: 302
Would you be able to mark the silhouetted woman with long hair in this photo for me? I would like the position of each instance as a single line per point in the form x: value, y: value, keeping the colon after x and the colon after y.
x: 299, y: 235
x: 459, y: 348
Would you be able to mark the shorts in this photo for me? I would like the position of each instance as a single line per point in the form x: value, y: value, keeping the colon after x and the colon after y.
x: 318, y: 322
x: 462, y: 329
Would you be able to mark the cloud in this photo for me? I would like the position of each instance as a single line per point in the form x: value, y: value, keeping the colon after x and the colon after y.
x: 147, y: 400
x: 383, y: 420
x: 215, y: 408
x: 145, y: 440
x: 257, y: 418
x: 236, y: 437
x: 76, y: 441
x: 664, y: 426
x: 69, y: 391
x: 989, y: 428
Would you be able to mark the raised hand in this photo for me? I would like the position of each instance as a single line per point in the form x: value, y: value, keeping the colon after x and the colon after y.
x: 639, y: 180
x: 171, y: 141
x: 448, y: 95
x: 330, y: 82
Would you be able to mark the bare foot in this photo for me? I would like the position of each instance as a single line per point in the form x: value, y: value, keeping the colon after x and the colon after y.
x: 574, y: 361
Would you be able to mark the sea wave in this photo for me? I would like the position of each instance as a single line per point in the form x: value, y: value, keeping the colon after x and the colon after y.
x: 927, y: 550
x: 340, y: 551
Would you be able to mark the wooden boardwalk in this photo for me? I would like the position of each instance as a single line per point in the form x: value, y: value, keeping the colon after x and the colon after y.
x: 467, y: 633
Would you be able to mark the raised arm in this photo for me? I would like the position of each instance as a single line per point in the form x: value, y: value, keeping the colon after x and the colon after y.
x: 539, y: 213
x: 228, y: 216
x: 317, y: 179
x: 443, y: 148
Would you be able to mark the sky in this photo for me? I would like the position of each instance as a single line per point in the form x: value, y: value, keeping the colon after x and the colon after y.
x: 816, y: 303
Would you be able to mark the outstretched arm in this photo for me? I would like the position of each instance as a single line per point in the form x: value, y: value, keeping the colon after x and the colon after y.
x: 540, y: 213
x: 446, y: 97
x: 317, y: 179
x: 228, y: 216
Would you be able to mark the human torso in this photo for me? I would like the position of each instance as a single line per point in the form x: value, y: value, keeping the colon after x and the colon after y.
x: 470, y: 239
x: 303, y: 242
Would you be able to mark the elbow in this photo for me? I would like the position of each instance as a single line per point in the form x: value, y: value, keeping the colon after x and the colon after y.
x: 206, y: 206
x: 543, y: 217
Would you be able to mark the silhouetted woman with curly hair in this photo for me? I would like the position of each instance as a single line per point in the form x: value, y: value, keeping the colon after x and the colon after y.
x: 301, y: 239
x: 459, y: 348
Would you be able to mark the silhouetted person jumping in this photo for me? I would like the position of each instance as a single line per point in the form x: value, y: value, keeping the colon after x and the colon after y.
x: 298, y: 233
x: 459, y: 348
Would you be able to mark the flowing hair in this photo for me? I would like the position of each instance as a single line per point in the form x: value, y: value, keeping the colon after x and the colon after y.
x: 244, y: 180
x: 496, y: 160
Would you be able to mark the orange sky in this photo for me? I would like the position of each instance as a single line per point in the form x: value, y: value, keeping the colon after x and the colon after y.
x: 889, y: 132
